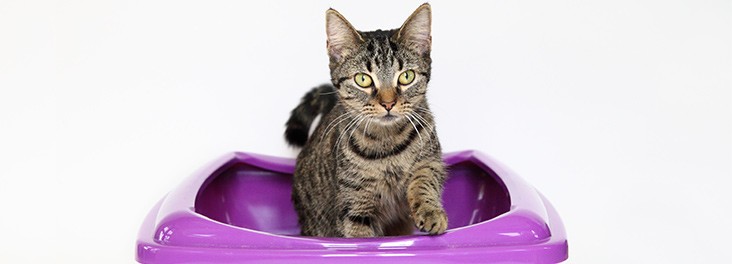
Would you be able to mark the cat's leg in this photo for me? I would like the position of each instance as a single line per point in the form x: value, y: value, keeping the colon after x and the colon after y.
x: 424, y: 192
x: 358, y: 226
x: 309, y: 213
x: 358, y: 215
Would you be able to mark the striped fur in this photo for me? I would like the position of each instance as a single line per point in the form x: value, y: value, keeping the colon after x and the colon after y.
x: 372, y: 166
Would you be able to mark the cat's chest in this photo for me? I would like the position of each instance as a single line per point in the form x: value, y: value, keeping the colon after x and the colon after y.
x: 388, y: 174
x: 388, y: 184
x: 390, y: 190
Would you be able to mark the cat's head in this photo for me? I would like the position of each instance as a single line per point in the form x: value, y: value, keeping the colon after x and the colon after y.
x: 381, y: 75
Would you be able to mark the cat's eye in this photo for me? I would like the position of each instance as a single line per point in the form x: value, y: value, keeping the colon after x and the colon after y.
x: 363, y: 80
x: 406, y: 77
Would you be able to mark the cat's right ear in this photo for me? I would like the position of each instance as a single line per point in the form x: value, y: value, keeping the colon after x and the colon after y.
x: 343, y: 39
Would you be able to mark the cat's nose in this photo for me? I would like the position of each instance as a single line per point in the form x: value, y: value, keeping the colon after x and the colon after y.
x: 388, y: 105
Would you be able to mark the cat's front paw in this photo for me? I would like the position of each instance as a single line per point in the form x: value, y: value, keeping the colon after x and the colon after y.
x: 431, y: 220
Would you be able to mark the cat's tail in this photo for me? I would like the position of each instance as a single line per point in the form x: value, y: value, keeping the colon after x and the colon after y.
x: 319, y: 100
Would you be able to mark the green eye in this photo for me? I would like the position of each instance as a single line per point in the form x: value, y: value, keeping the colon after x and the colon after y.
x: 362, y: 79
x: 406, y: 77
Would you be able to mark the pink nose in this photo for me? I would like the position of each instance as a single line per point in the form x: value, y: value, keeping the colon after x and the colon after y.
x: 388, y: 106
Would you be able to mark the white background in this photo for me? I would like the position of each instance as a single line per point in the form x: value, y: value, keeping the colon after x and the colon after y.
x: 620, y: 112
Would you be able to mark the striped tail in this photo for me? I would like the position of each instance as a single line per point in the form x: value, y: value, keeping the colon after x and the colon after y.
x: 319, y: 100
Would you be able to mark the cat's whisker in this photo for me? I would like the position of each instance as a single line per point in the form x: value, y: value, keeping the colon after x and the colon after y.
x: 338, y: 140
x: 333, y: 123
x: 415, y: 129
x: 367, y: 126
x: 336, y: 121
x: 430, y: 132
x: 429, y: 139
x: 340, y: 135
x: 416, y: 114
x: 419, y: 122
x: 350, y: 125
x: 430, y: 127
x: 423, y: 109
x: 356, y: 127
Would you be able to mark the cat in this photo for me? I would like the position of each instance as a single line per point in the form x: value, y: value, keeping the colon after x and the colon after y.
x: 372, y: 167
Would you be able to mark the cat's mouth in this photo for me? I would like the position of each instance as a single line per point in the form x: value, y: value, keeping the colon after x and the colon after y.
x: 388, y: 118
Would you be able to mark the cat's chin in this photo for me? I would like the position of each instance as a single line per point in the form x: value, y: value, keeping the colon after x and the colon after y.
x: 388, y: 119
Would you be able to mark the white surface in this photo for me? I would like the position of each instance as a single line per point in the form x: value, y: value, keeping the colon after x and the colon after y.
x: 620, y: 112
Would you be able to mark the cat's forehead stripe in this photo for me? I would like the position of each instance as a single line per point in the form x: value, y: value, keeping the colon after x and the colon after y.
x: 381, y: 50
x: 368, y: 65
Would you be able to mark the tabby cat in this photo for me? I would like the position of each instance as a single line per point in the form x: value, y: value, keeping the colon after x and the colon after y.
x: 373, y: 165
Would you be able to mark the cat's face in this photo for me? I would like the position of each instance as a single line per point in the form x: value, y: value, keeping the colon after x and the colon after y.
x: 381, y: 75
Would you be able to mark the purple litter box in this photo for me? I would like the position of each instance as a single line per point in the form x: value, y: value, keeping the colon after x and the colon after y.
x: 238, y: 210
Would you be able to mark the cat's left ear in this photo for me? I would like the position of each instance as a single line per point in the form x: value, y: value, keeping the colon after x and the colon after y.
x: 415, y: 33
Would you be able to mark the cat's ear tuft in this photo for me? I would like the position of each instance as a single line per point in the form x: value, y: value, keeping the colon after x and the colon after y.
x: 343, y: 39
x: 415, y: 32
